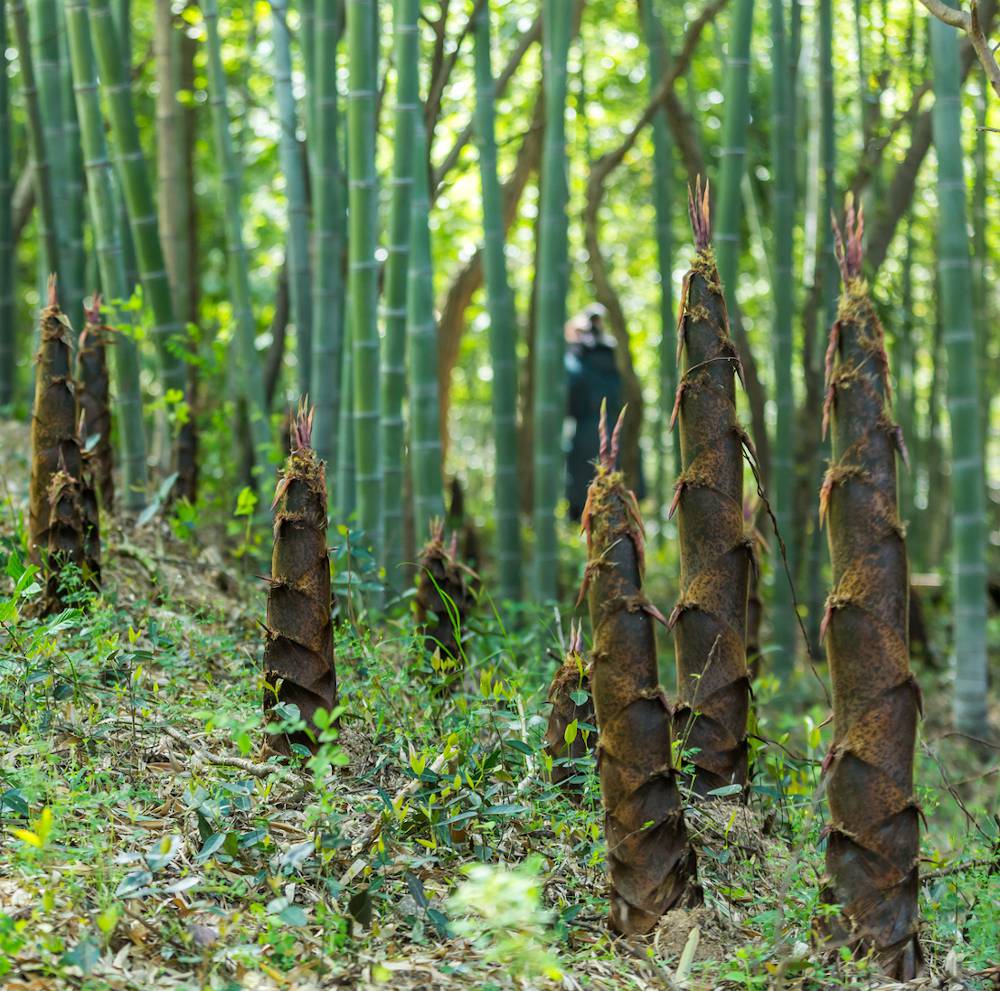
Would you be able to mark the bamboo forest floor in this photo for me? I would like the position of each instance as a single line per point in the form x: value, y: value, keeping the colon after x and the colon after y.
x: 148, y: 841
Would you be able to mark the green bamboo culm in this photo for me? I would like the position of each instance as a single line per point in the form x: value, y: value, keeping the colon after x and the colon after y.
x: 663, y: 167
x: 549, y: 370
x: 782, y: 475
x: 904, y: 361
x: 104, y: 216
x: 307, y: 43
x: 133, y: 173
x: 250, y: 376
x: 43, y: 20
x: 421, y: 333
x: 828, y: 275
x: 968, y: 481
x: 299, y: 285
x: 362, y: 54
x: 981, y: 260
x: 347, y: 491
x: 406, y: 48
x: 123, y: 25
x: 8, y: 339
x: 328, y: 330
x: 40, y: 166
x: 827, y: 255
x: 73, y: 256
x: 503, y: 323
x: 733, y: 153
x: 174, y: 195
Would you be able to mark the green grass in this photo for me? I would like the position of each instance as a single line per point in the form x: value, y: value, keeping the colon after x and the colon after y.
x: 147, y: 840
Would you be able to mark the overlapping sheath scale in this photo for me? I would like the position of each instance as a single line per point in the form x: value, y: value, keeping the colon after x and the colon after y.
x: 716, y: 556
x: 298, y: 654
x: 651, y: 865
x: 873, y: 837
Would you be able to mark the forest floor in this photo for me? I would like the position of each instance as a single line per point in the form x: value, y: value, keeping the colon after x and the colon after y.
x: 149, y: 840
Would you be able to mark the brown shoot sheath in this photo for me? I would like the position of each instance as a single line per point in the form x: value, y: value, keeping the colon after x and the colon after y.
x: 299, y: 632
x: 873, y: 837
x: 572, y: 676
x: 93, y: 398
x: 651, y: 864
x: 716, y: 556
x: 54, y: 443
x: 444, y: 589
x: 65, y: 537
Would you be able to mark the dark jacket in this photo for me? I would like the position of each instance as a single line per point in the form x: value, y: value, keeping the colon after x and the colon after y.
x: 592, y: 376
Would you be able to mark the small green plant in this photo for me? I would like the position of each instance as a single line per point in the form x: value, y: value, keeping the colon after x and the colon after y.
x: 501, y: 911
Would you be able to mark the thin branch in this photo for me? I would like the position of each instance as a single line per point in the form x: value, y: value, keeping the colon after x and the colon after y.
x: 610, y: 160
x: 450, y: 160
x: 970, y: 24
x: 440, y: 81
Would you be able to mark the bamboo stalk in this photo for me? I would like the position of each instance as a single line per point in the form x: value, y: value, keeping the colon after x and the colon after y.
x: 293, y: 168
x: 968, y: 483
x: 102, y: 197
x: 347, y: 496
x: 72, y: 257
x: 362, y: 53
x: 782, y: 451
x: 251, y: 380
x: 663, y: 152
x: 503, y: 323
x: 175, y: 201
x: 421, y: 330
x: 307, y: 43
x: 43, y: 19
x: 133, y: 173
x: 827, y: 275
x: 406, y: 41
x: 40, y: 166
x: 329, y: 347
x: 8, y: 334
x: 732, y: 153
x: 173, y: 194
x: 549, y: 371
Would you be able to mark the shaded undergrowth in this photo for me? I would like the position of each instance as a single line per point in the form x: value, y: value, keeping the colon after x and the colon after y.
x: 144, y: 840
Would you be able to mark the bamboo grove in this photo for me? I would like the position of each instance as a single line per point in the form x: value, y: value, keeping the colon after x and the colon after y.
x: 350, y: 270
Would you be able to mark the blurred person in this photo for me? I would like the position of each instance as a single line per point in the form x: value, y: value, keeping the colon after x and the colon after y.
x: 592, y: 376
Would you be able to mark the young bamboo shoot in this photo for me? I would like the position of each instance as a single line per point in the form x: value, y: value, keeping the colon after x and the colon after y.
x: 709, y: 620
x: 651, y: 864
x: 873, y: 837
x: 298, y: 654
x: 92, y: 395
